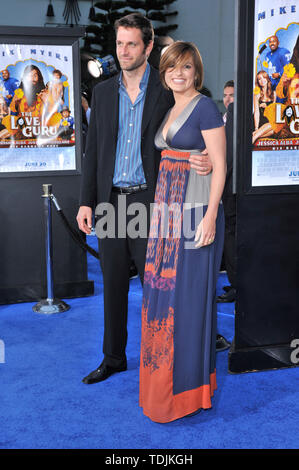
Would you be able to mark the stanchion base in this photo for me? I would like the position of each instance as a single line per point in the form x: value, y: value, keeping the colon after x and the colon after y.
x: 48, y: 306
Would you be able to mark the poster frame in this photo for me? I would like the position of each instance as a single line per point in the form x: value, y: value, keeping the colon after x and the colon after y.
x: 244, y: 69
x: 62, y: 36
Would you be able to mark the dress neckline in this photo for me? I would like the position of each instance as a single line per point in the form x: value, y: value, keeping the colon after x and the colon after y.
x: 180, y: 119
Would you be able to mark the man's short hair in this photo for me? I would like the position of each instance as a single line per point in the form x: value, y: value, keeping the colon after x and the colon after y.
x: 137, y: 20
x: 230, y: 83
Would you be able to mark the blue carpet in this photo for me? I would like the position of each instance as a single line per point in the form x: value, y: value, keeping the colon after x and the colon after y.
x: 44, y: 405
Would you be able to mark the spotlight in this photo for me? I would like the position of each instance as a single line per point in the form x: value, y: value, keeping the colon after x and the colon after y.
x: 50, y: 10
x: 102, y: 66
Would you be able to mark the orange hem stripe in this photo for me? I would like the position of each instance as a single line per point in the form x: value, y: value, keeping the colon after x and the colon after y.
x: 179, y: 405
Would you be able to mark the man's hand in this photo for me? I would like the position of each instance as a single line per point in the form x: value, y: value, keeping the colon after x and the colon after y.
x: 275, y: 75
x: 84, y: 219
x: 201, y: 163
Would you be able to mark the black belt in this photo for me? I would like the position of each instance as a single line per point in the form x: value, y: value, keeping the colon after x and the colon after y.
x: 129, y: 189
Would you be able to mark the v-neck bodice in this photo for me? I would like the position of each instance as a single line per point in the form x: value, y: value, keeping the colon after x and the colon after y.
x: 185, y: 132
x: 181, y: 118
x: 175, y: 126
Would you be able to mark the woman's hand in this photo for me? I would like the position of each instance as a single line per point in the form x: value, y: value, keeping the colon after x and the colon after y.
x: 206, y: 231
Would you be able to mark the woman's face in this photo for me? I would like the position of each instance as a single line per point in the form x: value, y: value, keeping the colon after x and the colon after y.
x: 262, y: 81
x: 180, y: 77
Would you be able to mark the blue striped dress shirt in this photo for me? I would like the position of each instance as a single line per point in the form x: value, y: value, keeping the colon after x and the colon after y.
x: 128, y: 169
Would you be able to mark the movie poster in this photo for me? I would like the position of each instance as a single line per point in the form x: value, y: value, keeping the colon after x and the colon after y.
x: 275, y: 116
x: 37, y: 126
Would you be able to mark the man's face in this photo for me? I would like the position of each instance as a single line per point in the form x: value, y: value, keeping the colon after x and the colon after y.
x: 228, y: 95
x: 5, y: 74
x: 130, y: 49
x: 32, y: 77
x: 31, y: 86
x: 273, y: 43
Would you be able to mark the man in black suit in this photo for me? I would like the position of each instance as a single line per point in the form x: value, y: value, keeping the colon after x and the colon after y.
x: 117, y: 165
x: 229, y: 205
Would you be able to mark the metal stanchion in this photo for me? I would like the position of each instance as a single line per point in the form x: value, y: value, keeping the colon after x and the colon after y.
x: 49, y: 305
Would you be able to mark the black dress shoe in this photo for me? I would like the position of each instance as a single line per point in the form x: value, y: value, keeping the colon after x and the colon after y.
x: 102, y: 373
x: 221, y: 343
x: 229, y: 296
x: 226, y: 288
x: 133, y: 272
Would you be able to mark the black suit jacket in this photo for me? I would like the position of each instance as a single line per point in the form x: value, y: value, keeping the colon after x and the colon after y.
x: 229, y: 131
x: 99, y: 160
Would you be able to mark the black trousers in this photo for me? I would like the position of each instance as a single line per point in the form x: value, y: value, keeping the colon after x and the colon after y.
x: 229, y: 251
x: 116, y: 254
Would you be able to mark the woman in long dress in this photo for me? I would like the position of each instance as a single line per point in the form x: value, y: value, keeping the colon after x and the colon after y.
x: 178, y: 350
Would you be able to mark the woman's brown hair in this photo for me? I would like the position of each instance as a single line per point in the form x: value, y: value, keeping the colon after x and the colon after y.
x: 177, y: 53
x: 270, y: 93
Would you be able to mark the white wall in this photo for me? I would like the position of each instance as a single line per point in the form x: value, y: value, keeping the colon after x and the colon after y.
x: 210, y: 25
x: 207, y: 23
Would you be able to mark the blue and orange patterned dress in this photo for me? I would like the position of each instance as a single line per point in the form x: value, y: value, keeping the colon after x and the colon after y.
x: 179, y: 316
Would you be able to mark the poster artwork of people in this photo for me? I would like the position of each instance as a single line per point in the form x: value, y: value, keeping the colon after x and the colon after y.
x: 275, y: 137
x: 37, y: 127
